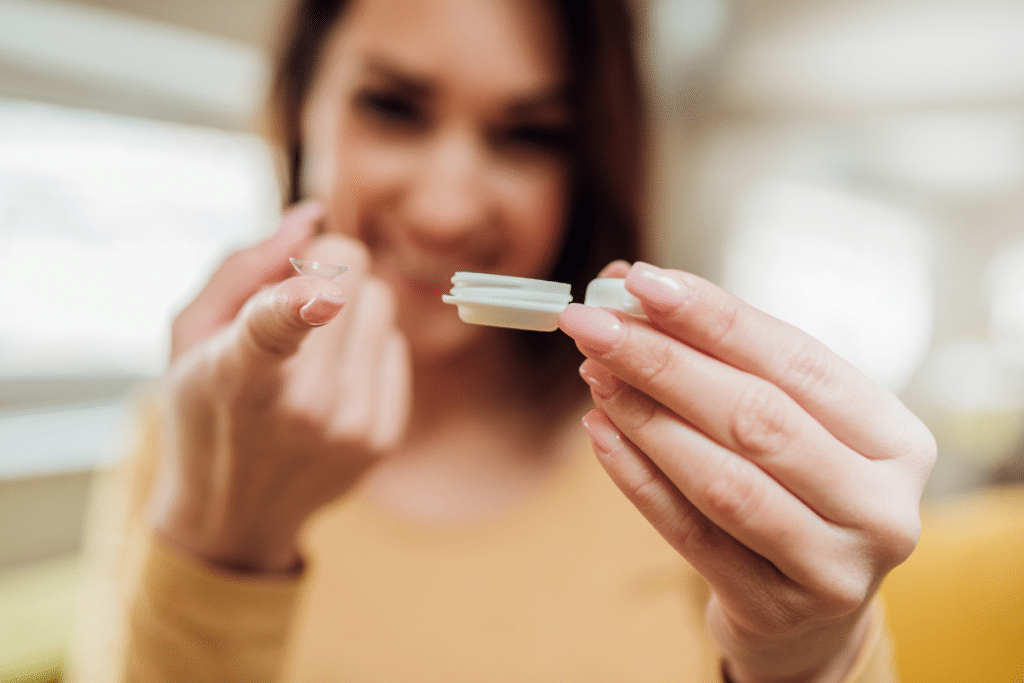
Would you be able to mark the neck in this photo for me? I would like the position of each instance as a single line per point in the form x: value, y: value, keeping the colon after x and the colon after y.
x: 491, y: 378
x: 478, y: 438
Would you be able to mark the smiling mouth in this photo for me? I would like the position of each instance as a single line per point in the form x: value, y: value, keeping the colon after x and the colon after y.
x: 424, y: 278
x: 422, y: 272
x: 426, y: 271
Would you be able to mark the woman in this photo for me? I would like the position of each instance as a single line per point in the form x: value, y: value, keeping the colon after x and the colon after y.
x: 354, y: 485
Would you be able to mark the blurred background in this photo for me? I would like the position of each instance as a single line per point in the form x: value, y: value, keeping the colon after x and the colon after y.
x: 855, y: 167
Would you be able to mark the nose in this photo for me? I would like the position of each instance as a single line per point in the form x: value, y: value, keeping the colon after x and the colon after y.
x: 446, y: 199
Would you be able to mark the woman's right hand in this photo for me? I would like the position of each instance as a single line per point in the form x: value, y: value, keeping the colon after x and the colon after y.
x: 281, y: 393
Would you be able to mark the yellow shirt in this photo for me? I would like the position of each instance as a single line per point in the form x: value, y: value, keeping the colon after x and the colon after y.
x: 572, y: 585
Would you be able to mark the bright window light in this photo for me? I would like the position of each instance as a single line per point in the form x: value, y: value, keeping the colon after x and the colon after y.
x: 850, y: 271
x: 108, y: 225
x: 1005, y: 282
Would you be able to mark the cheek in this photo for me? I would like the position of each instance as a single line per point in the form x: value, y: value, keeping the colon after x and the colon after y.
x: 539, y: 206
x: 370, y: 175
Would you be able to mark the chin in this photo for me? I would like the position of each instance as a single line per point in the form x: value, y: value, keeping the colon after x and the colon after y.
x: 439, y: 336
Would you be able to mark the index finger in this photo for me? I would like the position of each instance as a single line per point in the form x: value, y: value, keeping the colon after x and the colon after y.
x: 830, y: 389
x: 273, y: 324
x: 241, y: 275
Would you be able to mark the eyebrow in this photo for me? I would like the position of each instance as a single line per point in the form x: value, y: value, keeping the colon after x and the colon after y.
x: 420, y: 87
x: 423, y: 87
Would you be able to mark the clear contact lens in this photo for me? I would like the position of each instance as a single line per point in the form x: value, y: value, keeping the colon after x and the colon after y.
x: 328, y: 271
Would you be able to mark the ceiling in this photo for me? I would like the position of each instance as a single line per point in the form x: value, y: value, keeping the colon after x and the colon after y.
x: 179, y: 60
x: 204, y: 61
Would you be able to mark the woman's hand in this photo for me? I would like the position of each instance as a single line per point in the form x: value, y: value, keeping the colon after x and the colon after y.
x: 788, y: 479
x: 282, y: 392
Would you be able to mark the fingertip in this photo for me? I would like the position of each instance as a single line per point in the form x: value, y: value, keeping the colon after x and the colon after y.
x: 321, y: 309
x: 595, y: 329
x: 617, y: 268
x: 277, y: 319
x: 306, y: 212
x: 343, y: 250
x: 604, y: 435
x: 602, y: 383
x: 660, y: 288
x: 593, y: 416
x: 298, y: 223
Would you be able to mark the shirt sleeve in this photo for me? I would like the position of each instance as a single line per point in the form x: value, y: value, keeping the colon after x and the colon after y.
x: 191, y: 622
x: 150, y: 612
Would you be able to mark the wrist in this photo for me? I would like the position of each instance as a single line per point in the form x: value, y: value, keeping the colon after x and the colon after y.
x: 235, y: 555
x: 248, y: 545
x: 838, y: 651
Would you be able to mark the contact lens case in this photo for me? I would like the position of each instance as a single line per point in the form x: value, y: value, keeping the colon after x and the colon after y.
x: 610, y: 292
x: 506, y: 301
x: 527, y: 304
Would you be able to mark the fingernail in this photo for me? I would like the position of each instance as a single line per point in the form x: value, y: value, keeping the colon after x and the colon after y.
x: 657, y: 287
x: 603, y: 434
x: 321, y: 309
x: 592, y: 328
x: 604, y: 383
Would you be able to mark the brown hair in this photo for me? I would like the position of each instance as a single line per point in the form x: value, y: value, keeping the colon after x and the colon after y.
x: 608, y: 146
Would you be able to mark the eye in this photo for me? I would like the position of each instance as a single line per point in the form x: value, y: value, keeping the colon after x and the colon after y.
x: 538, y: 138
x: 391, y: 108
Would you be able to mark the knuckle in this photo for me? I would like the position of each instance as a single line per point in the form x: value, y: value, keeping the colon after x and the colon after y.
x: 636, y: 411
x: 271, y: 325
x: 695, y: 534
x: 758, y: 422
x: 269, y: 337
x: 922, y: 450
x: 839, y: 581
x: 790, y: 611
x: 731, y: 494
x: 894, y: 537
x: 648, y: 490
x: 842, y: 592
x: 723, y: 321
x: 659, y: 359
x: 805, y: 365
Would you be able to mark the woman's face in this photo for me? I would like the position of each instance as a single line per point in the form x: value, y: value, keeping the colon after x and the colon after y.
x: 437, y: 132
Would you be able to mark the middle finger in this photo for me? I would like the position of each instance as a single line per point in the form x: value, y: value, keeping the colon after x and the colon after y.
x: 743, y: 413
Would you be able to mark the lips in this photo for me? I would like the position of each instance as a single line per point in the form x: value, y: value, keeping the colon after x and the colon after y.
x: 416, y: 275
x: 406, y: 263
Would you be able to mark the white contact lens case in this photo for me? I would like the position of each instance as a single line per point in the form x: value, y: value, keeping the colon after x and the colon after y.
x: 506, y: 301
x: 526, y: 304
x: 610, y: 292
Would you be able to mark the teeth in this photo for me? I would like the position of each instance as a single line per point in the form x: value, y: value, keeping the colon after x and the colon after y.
x: 505, y: 301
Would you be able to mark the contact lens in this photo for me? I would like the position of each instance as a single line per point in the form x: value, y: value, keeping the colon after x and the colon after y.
x: 328, y: 271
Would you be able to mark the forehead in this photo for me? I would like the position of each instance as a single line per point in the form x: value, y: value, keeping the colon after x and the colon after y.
x: 485, y: 45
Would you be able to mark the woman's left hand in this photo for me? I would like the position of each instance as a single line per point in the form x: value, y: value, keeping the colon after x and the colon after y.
x: 786, y: 477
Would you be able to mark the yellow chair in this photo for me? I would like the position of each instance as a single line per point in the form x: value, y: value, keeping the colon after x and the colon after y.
x: 956, y: 607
